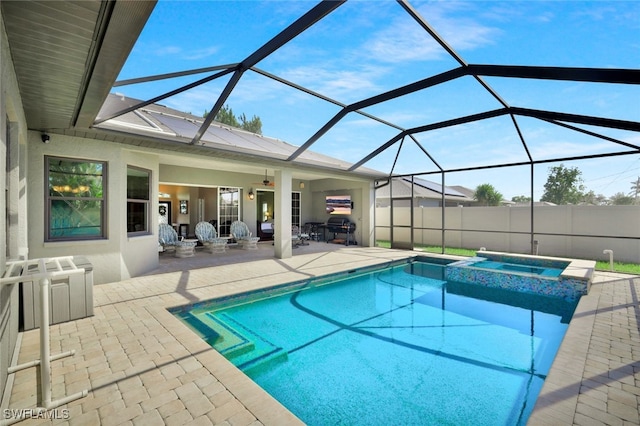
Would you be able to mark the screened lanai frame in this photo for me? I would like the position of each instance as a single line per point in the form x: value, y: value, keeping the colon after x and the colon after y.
x: 592, y: 126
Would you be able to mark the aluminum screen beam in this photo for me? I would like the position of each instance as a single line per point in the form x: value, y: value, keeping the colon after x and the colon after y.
x: 611, y: 123
x: 593, y: 75
x: 434, y: 126
x: 173, y: 75
x: 383, y: 97
x: 594, y: 134
x: 543, y: 115
x: 164, y: 96
x: 299, y: 26
x: 523, y: 163
x: 321, y: 96
x: 441, y: 41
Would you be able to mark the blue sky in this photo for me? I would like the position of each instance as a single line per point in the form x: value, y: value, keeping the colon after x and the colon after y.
x: 364, y: 48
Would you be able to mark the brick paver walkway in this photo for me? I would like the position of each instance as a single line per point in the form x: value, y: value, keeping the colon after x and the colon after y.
x: 143, y: 367
x: 595, y: 378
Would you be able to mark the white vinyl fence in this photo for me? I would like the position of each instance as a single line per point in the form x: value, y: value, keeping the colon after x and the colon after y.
x: 584, y: 231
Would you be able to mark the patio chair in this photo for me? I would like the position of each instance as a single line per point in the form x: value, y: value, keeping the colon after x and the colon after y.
x: 208, y: 237
x: 168, y: 237
x: 305, y: 235
x: 170, y: 241
x: 298, y: 237
x: 240, y: 232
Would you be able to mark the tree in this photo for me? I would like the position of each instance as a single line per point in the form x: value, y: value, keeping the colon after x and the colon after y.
x: 564, y: 185
x: 254, y: 125
x: 486, y: 195
x: 596, y: 200
x: 621, y: 199
x: 226, y: 116
x: 635, y: 190
x: 521, y: 199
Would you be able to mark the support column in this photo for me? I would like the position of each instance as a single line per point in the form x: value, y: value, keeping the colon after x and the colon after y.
x: 282, y: 221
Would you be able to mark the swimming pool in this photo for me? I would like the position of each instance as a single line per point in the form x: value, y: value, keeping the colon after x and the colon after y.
x: 514, y: 267
x: 399, y: 345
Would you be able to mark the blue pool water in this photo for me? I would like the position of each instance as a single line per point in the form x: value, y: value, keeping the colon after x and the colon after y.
x: 395, y: 346
x: 513, y: 267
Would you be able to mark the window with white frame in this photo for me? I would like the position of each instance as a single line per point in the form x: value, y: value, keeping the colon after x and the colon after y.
x: 138, y: 200
x: 295, y: 209
x: 75, y: 200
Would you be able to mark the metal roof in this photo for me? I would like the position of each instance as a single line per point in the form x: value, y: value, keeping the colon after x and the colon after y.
x: 401, y: 188
x: 179, y: 128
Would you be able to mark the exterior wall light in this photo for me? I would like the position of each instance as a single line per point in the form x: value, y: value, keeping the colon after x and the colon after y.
x: 251, y: 194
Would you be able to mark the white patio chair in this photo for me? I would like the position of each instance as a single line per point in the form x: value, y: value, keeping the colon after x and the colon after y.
x: 208, y: 237
x: 244, y: 237
x: 168, y: 237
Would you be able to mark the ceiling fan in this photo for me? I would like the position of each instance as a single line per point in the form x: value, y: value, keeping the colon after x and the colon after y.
x: 266, y: 181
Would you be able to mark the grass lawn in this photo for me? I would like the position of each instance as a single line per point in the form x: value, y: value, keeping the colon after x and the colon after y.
x: 624, y: 268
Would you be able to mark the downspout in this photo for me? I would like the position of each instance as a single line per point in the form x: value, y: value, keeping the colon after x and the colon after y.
x: 375, y: 196
x: 442, y: 212
x: 534, y: 243
x: 411, y: 218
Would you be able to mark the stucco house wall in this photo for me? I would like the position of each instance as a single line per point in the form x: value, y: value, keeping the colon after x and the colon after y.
x: 120, y: 256
x: 116, y: 257
x: 362, y: 196
x: 13, y: 129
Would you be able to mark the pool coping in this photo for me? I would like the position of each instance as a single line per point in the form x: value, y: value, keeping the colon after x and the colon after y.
x: 260, y: 403
x: 579, y: 269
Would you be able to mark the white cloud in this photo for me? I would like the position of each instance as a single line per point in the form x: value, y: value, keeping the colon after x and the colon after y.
x: 201, y: 53
x: 167, y: 50
x: 554, y: 148
x: 404, y: 40
x: 339, y: 84
x: 400, y: 46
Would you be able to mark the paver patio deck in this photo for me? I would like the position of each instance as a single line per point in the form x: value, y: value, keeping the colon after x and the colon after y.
x: 143, y: 367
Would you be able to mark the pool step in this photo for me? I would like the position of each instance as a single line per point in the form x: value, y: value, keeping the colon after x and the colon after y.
x: 203, y: 330
x: 262, y: 350
x: 264, y: 362
x: 218, y: 335
x: 244, y: 348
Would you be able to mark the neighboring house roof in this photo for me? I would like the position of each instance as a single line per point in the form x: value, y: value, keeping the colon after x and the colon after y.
x: 422, y: 189
x: 468, y: 192
x: 472, y: 194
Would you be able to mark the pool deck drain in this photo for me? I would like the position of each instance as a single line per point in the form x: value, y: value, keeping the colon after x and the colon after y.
x: 143, y: 366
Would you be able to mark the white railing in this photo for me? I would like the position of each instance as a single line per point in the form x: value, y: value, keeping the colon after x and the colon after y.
x: 42, y: 270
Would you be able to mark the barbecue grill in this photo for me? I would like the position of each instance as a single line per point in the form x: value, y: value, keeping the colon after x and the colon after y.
x: 340, y: 225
